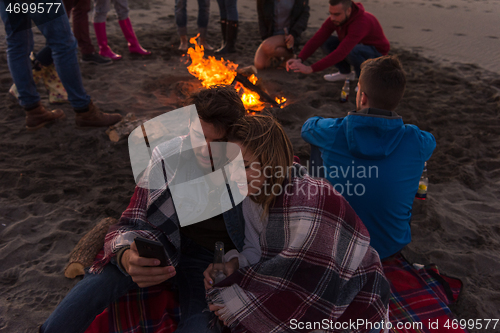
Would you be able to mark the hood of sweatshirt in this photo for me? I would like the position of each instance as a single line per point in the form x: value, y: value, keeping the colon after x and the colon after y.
x: 373, y: 133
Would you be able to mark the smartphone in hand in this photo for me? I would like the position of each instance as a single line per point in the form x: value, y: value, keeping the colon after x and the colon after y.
x: 151, y: 249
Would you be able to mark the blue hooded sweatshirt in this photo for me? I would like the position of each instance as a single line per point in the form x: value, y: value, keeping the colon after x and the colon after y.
x: 375, y: 161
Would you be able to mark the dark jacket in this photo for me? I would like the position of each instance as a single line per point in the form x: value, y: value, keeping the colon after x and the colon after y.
x: 300, y: 16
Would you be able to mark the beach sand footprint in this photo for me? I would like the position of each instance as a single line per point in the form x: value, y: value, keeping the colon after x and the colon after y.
x: 427, y: 30
x: 460, y: 34
x: 397, y: 27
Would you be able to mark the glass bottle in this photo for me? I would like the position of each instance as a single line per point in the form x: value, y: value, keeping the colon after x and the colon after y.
x: 344, y: 94
x: 423, y: 184
x: 217, y: 273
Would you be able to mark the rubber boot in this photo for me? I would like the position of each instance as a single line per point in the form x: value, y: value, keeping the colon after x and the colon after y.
x: 95, y: 118
x: 102, y: 40
x: 38, y: 117
x: 231, y: 35
x: 203, y: 39
x: 184, y: 43
x: 223, y: 25
x: 133, y: 43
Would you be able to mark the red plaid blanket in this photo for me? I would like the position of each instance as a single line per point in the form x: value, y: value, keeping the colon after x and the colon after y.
x: 420, y: 298
x: 148, y: 310
x: 417, y: 296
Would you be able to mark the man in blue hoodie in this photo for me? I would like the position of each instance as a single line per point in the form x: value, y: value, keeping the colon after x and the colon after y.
x: 372, y: 158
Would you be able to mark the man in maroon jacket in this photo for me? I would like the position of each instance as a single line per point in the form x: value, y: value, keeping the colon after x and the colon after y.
x: 359, y: 37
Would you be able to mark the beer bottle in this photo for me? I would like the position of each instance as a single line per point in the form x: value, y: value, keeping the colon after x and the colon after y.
x: 344, y: 94
x: 217, y: 273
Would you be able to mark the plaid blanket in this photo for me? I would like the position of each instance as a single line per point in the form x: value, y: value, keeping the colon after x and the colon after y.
x: 420, y: 298
x: 150, y: 213
x: 147, y: 310
x: 316, y: 266
x: 417, y: 296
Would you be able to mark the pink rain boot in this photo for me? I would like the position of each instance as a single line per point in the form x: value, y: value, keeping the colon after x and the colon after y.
x: 133, y: 43
x: 102, y: 40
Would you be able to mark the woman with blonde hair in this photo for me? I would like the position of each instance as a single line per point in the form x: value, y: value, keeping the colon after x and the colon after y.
x: 307, y: 255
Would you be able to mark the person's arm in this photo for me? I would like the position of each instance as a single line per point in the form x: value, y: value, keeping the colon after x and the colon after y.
x: 428, y: 144
x: 357, y: 31
x: 317, y: 40
x: 320, y: 131
x: 119, y: 247
x: 301, y: 24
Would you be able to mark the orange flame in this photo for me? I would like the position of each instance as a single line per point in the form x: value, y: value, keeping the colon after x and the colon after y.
x: 213, y: 72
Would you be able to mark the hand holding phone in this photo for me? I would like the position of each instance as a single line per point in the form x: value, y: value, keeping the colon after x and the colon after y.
x: 151, y: 249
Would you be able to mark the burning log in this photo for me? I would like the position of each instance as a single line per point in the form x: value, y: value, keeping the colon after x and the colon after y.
x: 211, y: 71
x: 249, y: 85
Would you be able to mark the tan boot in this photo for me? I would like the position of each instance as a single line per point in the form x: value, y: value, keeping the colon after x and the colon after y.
x: 184, y: 43
x: 39, y: 117
x: 95, y: 118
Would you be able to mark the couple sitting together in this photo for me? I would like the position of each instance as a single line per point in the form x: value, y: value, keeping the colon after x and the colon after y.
x: 298, y: 253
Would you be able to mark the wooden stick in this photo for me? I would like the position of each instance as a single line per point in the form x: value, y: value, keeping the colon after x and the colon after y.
x: 87, y: 248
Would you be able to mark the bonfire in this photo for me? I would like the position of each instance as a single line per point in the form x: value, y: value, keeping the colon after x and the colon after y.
x: 211, y: 72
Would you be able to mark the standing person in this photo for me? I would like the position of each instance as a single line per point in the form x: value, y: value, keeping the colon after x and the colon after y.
x: 79, y: 10
x: 152, y: 214
x: 101, y: 9
x: 181, y: 21
x: 372, y: 156
x: 359, y: 37
x: 229, y: 25
x: 306, y: 257
x: 280, y: 24
x: 54, y: 25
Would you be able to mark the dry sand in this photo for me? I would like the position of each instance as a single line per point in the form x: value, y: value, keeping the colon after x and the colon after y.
x: 56, y: 183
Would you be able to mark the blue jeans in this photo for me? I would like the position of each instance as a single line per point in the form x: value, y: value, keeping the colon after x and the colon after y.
x: 228, y: 10
x: 181, y: 15
x: 356, y: 57
x: 95, y: 292
x: 87, y: 299
x: 55, y: 27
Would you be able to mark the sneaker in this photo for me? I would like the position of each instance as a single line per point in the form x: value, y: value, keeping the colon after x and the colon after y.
x: 96, y: 59
x: 340, y: 77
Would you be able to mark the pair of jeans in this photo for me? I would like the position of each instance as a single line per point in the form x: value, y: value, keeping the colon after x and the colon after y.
x: 102, y: 7
x: 356, y: 57
x: 87, y: 299
x: 228, y: 10
x: 55, y: 27
x: 80, y: 10
x: 181, y: 15
x: 95, y: 292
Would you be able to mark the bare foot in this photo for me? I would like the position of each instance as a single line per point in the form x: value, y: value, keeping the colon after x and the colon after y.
x: 184, y: 44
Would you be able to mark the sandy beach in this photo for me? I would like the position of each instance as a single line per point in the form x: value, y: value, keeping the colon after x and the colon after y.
x: 58, y: 182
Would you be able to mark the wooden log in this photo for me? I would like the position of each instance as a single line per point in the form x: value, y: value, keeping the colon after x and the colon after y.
x: 124, y: 127
x: 87, y: 248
